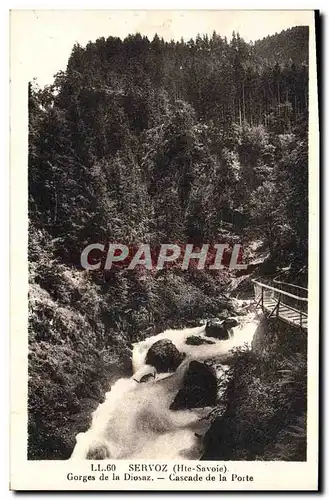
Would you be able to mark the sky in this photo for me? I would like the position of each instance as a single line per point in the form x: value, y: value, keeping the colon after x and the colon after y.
x: 42, y: 39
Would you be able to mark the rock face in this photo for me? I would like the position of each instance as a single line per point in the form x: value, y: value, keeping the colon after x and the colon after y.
x: 199, y: 388
x: 220, y: 327
x: 217, y: 329
x: 196, y: 340
x: 243, y: 288
x: 231, y: 322
x: 164, y: 356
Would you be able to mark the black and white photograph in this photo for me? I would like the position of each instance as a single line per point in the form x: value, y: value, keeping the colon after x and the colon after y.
x: 168, y: 218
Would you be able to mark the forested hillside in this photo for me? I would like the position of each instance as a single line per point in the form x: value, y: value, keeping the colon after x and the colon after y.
x: 290, y: 45
x: 154, y: 142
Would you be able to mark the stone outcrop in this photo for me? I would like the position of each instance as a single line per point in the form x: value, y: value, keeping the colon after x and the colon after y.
x: 220, y: 328
x: 217, y: 329
x: 164, y: 356
x: 196, y: 340
x: 199, y: 388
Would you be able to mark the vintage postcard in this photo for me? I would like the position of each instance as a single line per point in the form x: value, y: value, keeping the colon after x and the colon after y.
x: 164, y: 294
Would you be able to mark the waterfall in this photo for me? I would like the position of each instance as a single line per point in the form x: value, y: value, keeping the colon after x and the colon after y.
x: 135, y: 422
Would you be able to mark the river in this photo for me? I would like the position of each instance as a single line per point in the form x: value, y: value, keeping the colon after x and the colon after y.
x: 135, y: 422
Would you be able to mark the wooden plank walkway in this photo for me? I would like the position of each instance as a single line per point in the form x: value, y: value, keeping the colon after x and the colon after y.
x: 286, y: 313
x: 285, y: 306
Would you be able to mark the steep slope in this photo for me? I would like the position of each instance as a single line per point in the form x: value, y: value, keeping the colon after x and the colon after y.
x: 290, y: 45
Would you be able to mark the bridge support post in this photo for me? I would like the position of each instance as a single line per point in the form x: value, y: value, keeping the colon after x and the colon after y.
x: 278, y: 306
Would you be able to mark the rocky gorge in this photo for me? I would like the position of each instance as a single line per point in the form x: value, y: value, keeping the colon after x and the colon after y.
x: 177, y: 389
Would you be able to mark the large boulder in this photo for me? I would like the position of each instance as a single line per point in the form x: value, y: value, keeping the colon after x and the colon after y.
x: 196, y: 340
x: 164, y: 356
x: 199, y: 388
x: 231, y: 322
x: 217, y: 329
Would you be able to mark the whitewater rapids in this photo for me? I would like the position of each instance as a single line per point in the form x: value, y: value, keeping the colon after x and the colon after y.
x: 135, y: 421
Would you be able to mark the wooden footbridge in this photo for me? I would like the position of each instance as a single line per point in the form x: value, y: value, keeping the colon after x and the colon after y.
x: 283, y: 301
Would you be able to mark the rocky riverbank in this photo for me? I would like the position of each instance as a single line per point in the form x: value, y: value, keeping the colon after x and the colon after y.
x: 266, y: 399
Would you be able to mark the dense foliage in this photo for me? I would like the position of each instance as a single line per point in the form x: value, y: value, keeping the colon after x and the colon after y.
x: 265, y: 417
x: 153, y: 142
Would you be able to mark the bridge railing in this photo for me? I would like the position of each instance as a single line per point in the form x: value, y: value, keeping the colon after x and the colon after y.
x: 296, y: 291
x: 265, y: 293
